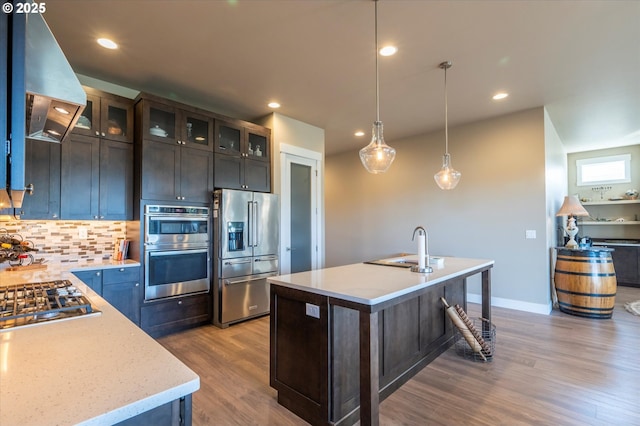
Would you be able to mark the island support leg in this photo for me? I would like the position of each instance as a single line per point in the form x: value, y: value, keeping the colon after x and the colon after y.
x: 486, y: 298
x: 369, y: 370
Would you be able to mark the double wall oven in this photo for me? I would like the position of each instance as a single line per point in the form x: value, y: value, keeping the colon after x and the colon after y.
x: 177, y: 251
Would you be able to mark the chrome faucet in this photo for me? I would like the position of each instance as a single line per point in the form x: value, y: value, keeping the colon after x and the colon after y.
x: 422, y: 267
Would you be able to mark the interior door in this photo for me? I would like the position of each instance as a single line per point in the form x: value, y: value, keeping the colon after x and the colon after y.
x: 300, y: 236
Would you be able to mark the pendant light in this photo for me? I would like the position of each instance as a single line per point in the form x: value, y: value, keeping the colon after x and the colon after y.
x: 377, y: 156
x: 447, y: 177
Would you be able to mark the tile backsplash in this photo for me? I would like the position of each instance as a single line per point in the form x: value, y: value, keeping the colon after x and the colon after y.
x: 59, y: 241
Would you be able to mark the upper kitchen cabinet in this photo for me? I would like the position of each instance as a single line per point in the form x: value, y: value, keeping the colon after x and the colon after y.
x: 42, y: 170
x: 242, y: 159
x: 107, y: 116
x: 171, y: 172
x: 176, y: 125
x: 96, y: 179
x: 174, y: 146
x: 242, y: 139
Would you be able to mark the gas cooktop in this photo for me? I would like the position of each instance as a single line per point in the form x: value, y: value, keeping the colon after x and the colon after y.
x: 36, y: 303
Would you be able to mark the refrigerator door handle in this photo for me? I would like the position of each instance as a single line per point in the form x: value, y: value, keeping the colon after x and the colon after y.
x: 256, y: 225
x: 265, y: 258
x: 250, y: 224
x: 249, y: 279
x: 237, y: 262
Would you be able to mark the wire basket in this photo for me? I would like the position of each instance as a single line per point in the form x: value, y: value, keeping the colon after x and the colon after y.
x: 488, y: 332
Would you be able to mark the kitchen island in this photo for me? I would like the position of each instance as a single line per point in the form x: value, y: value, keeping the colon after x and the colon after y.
x: 97, y: 369
x: 345, y: 338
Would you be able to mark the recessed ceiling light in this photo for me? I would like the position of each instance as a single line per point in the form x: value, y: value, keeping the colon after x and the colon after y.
x: 274, y: 105
x: 359, y: 133
x: 61, y: 110
x: 500, y: 95
x: 107, y: 44
x: 388, y: 50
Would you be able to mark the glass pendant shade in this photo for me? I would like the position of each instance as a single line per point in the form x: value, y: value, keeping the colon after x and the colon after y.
x: 447, y: 177
x: 377, y: 156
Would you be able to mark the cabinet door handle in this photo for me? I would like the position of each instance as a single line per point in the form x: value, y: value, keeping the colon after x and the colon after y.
x: 121, y: 269
x: 97, y: 133
x: 137, y: 284
x: 179, y: 302
x: 98, y: 274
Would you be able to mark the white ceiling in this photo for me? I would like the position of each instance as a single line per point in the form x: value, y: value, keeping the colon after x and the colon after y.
x: 580, y: 59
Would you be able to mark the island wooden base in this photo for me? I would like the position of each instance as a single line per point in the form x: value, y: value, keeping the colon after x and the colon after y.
x: 320, y: 366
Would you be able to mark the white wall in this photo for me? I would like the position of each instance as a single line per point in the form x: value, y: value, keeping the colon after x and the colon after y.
x: 502, y: 193
x: 286, y: 130
x: 556, y: 190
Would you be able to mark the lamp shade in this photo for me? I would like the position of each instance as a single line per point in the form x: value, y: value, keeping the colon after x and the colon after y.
x: 572, y: 207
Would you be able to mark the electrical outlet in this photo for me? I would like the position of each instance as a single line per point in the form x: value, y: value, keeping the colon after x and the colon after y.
x: 530, y: 234
x: 82, y: 233
x: 312, y: 310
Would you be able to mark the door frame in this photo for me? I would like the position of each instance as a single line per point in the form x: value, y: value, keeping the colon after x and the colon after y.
x: 288, y: 154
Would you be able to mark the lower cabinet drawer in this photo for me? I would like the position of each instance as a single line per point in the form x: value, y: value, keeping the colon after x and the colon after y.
x: 120, y: 275
x: 166, y: 316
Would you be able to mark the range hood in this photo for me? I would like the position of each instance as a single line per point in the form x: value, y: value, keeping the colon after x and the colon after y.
x: 43, y: 101
x: 54, y: 97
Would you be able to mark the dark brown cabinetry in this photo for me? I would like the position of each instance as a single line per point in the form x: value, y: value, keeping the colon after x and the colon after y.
x: 121, y: 287
x: 175, y: 153
x: 626, y: 261
x: 97, y: 161
x: 118, y: 286
x: 184, y: 126
x: 96, y: 179
x: 315, y: 361
x: 243, y: 156
x: 106, y: 116
x: 172, y: 172
x: 42, y: 169
x: 167, y: 316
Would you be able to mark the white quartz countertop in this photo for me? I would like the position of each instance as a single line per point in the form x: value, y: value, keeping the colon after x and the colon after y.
x: 369, y: 284
x: 91, y: 370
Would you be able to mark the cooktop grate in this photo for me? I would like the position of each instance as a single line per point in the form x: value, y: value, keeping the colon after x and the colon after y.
x: 33, y: 303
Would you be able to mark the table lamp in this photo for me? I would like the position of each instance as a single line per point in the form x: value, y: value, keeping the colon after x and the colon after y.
x: 571, y: 207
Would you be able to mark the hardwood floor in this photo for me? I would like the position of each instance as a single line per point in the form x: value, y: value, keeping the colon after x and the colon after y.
x: 553, y: 369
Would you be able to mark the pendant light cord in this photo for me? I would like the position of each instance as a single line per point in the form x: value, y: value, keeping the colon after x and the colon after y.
x: 377, y: 79
x: 446, y: 114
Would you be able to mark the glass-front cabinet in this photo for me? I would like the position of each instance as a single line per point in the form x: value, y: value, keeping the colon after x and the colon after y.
x: 196, y: 130
x: 229, y: 138
x: 106, y: 116
x: 242, y: 156
x: 243, y: 141
x: 159, y: 122
x: 167, y: 124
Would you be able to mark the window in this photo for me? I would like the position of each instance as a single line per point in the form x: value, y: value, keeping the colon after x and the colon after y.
x: 602, y: 170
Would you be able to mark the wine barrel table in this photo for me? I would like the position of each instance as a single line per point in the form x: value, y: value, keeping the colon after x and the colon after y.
x: 585, y: 281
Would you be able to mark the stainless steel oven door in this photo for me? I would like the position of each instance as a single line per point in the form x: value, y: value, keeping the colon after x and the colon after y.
x: 176, y: 272
x: 176, y: 230
x: 244, y: 297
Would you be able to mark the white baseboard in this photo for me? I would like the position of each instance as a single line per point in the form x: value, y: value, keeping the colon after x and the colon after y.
x: 536, y: 308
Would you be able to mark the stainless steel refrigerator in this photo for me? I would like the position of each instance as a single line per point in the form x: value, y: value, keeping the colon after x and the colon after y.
x: 246, y: 244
